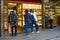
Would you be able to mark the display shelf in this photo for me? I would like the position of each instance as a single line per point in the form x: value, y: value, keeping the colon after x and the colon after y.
x: 57, y: 9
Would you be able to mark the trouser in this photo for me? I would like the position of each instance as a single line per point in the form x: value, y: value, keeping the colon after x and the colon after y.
x: 12, y: 30
x: 51, y: 23
x: 46, y: 24
x: 36, y: 25
x: 26, y: 29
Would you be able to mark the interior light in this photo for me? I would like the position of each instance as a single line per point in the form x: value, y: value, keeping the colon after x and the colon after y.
x: 12, y: 4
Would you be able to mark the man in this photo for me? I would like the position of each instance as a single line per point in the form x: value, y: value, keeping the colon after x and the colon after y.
x: 34, y: 21
x: 51, y: 17
x: 13, y: 22
x: 27, y: 21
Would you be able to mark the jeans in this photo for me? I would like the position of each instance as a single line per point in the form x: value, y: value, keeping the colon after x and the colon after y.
x: 46, y: 24
x: 36, y: 25
x: 26, y: 29
x: 51, y: 23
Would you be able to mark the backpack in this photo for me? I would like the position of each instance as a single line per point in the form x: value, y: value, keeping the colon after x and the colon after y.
x: 46, y: 19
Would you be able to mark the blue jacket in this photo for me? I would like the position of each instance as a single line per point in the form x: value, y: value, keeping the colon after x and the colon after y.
x: 13, y: 19
x: 27, y: 18
x: 32, y: 18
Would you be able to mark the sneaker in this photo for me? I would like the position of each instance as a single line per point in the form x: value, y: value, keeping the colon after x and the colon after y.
x: 37, y: 32
x: 33, y: 32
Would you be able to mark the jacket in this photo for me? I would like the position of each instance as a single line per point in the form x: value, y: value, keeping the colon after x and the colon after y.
x: 27, y: 19
x: 13, y: 19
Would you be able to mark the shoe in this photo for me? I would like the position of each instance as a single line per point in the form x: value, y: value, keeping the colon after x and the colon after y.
x: 27, y: 36
x: 37, y: 32
x: 51, y: 29
x: 33, y: 32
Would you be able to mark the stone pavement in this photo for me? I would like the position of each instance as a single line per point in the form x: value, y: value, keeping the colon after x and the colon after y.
x: 45, y: 34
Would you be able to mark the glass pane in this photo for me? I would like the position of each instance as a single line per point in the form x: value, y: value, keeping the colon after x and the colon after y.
x: 5, y: 25
x: 39, y: 17
x: 20, y: 23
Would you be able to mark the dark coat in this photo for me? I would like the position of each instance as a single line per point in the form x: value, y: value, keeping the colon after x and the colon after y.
x: 27, y: 19
x: 13, y: 19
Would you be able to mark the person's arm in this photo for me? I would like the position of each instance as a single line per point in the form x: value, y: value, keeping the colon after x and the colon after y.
x: 16, y: 18
x: 25, y: 18
x: 35, y: 16
x: 10, y: 18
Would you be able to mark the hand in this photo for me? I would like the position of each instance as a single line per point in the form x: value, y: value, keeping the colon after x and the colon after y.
x: 33, y: 24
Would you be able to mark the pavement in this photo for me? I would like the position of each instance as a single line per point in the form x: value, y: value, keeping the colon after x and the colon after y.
x: 45, y: 34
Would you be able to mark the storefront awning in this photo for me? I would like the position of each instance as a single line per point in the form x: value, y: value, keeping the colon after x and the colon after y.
x: 37, y: 1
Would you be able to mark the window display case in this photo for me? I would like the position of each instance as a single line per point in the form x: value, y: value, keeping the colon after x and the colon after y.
x: 37, y: 8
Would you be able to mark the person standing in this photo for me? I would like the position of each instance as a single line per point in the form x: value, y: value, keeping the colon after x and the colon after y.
x: 34, y: 21
x: 51, y: 17
x: 13, y: 22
